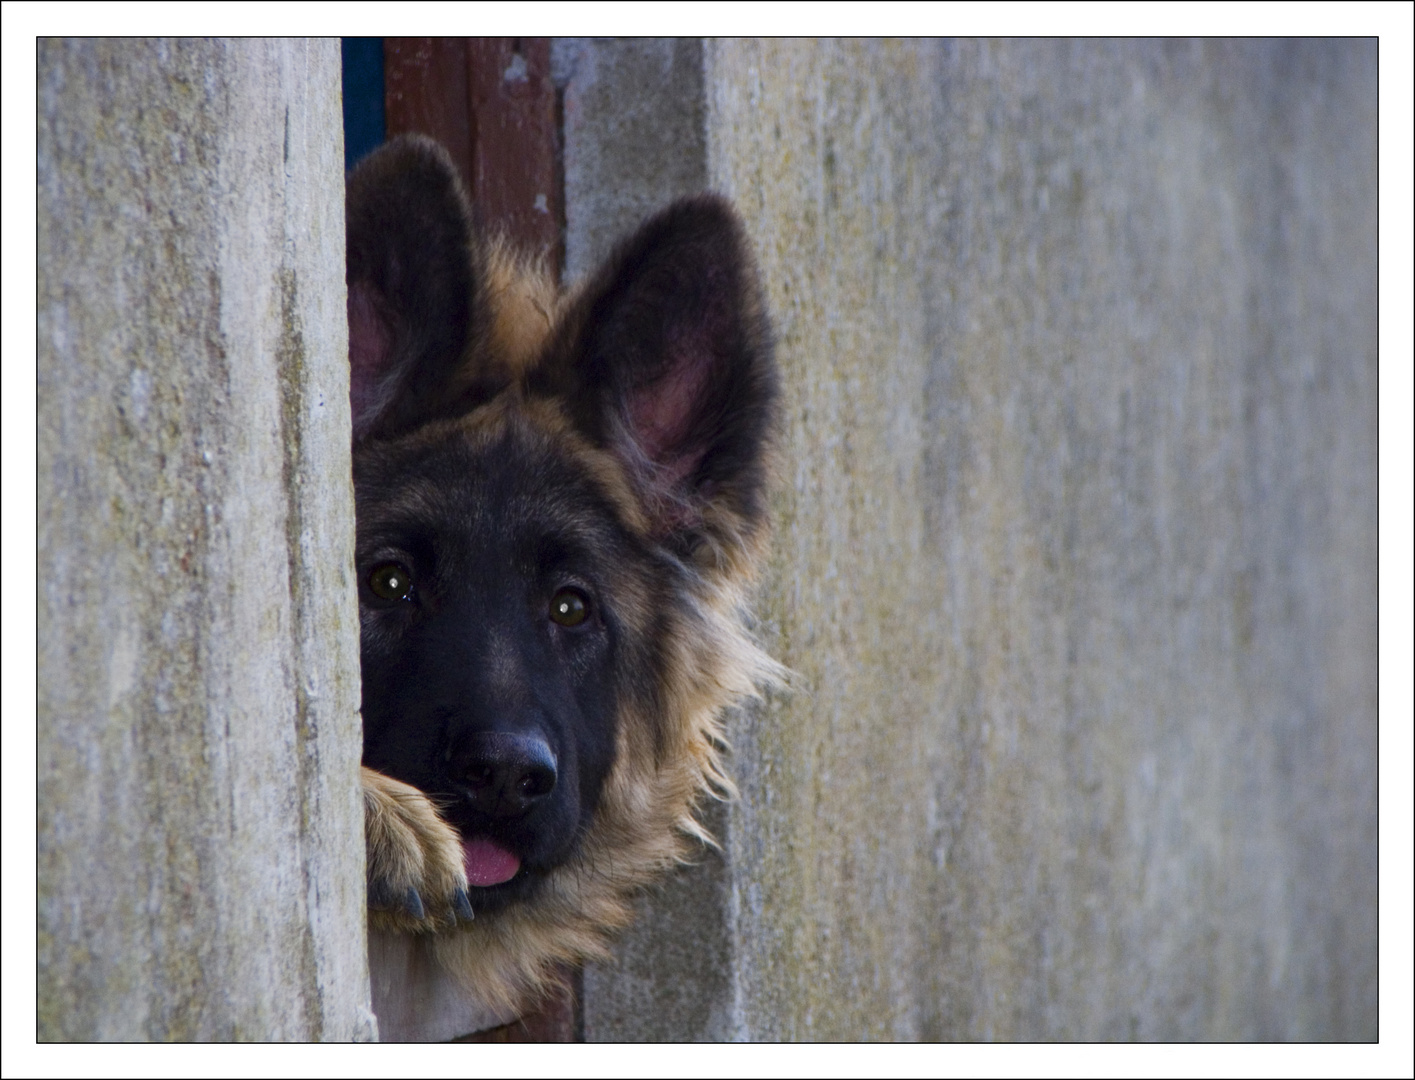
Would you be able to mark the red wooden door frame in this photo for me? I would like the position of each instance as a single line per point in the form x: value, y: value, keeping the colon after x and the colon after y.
x: 491, y: 102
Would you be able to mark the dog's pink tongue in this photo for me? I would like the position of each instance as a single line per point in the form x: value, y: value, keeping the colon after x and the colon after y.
x: 488, y: 864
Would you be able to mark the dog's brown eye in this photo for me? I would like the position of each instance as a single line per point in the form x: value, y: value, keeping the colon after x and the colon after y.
x: 569, y: 607
x: 391, y: 581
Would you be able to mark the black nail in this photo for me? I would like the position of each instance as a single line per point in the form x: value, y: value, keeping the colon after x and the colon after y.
x: 462, y: 904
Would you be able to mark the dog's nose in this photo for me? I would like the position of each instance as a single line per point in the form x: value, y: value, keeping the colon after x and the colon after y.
x: 507, y: 774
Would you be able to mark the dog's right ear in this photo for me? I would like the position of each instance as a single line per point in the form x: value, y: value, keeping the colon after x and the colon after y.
x: 416, y: 293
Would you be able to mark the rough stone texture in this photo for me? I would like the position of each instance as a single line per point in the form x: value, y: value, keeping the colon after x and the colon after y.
x: 1075, y: 553
x: 634, y: 136
x: 201, y: 859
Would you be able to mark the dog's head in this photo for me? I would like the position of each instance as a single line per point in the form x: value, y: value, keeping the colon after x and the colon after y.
x: 559, y: 502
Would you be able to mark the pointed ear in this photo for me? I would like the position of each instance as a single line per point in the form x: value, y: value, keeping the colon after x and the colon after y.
x: 666, y: 359
x: 415, y: 291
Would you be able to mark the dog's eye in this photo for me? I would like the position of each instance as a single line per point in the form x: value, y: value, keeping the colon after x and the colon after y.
x: 391, y: 581
x: 569, y: 607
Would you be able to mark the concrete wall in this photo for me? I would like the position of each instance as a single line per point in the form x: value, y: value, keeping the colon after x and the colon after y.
x: 200, y: 829
x: 1075, y: 554
x: 1076, y: 541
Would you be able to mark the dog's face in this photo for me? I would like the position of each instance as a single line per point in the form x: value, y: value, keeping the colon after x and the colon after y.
x: 500, y: 595
x: 560, y: 501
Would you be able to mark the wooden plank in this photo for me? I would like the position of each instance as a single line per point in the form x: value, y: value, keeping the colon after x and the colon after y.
x: 425, y: 91
x: 514, y: 142
x: 490, y: 101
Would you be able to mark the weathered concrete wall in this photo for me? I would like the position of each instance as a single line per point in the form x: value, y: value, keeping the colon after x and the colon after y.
x: 634, y: 115
x: 1075, y: 553
x: 201, y: 833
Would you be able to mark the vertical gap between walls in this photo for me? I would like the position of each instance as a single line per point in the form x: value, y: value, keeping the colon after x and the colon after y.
x: 499, y: 135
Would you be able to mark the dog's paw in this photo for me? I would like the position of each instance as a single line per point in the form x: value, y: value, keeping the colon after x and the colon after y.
x: 416, y: 879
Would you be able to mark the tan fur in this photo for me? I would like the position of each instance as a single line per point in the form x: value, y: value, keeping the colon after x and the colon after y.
x: 411, y: 847
x: 524, y: 305
x: 646, y: 820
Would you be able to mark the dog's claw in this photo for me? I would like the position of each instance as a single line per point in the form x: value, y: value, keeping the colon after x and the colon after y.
x: 413, y: 903
x: 462, y: 904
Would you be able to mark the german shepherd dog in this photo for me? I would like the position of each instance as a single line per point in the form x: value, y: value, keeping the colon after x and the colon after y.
x: 561, y: 503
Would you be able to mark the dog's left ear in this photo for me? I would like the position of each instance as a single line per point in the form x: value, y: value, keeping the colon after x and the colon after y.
x: 666, y: 359
x: 417, y: 292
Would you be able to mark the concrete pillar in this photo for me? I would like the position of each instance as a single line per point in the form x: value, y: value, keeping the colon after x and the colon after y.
x: 1076, y: 545
x: 200, y: 826
x: 635, y: 139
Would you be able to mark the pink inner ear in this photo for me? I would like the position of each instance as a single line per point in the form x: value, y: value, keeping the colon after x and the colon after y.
x: 662, y: 412
x: 369, y: 345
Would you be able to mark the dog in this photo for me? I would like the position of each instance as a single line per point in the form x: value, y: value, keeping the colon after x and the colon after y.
x: 562, y: 503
